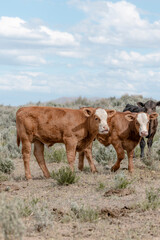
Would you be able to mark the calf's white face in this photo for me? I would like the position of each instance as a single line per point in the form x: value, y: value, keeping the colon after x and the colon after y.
x: 103, y: 125
x: 143, y: 120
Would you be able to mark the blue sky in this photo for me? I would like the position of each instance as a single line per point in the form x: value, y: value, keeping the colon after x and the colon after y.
x: 56, y: 48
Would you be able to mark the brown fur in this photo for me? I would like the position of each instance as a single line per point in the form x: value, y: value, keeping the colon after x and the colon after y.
x: 123, y: 135
x: 76, y: 128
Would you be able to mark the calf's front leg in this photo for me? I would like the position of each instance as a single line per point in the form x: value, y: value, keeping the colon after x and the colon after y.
x: 142, y: 146
x: 149, y: 143
x: 130, y: 160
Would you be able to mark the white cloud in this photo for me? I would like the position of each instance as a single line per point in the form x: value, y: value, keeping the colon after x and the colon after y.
x: 57, y: 38
x: 23, y: 43
x: 23, y: 81
x: 113, y: 51
x: 72, y: 54
x: 14, y: 27
x: 132, y: 60
x: 17, y: 28
x: 31, y: 60
x: 118, y: 24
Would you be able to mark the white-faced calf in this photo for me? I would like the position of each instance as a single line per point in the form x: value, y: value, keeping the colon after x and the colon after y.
x: 76, y: 128
x: 126, y: 130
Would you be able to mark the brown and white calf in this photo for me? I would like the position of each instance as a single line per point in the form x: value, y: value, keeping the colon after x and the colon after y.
x: 126, y: 130
x: 148, y: 107
x: 76, y: 128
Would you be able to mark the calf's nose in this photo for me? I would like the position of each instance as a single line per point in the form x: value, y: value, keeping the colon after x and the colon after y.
x: 106, y: 128
x: 144, y: 133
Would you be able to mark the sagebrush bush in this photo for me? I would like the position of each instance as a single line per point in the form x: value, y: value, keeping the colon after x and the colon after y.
x: 55, y: 154
x: 8, y: 142
x: 121, y: 181
x: 39, y: 211
x: 42, y: 216
x: 64, y: 176
x: 84, y: 214
x: 11, y: 223
x: 104, y: 155
x: 152, y: 200
x: 3, y: 177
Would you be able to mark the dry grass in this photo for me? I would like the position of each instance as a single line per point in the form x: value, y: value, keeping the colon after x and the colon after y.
x: 82, y: 210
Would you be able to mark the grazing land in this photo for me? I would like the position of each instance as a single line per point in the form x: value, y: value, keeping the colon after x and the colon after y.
x: 86, y: 206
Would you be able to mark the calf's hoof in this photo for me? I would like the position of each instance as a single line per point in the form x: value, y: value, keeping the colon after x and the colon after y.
x: 93, y: 169
x: 28, y: 177
x: 114, y: 168
x: 130, y: 170
x: 80, y: 168
x: 48, y: 176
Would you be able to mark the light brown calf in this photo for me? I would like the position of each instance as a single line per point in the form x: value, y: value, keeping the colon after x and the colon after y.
x: 126, y: 130
x: 76, y: 128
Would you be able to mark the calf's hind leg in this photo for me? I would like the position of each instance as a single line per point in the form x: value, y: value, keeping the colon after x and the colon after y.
x: 88, y: 153
x: 26, y: 151
x: 39, y: 155
x: 120, y: 155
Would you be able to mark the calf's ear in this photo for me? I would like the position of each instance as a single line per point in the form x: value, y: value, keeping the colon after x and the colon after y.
x: 158, y: 103
x: 110, y: 113
x: 140, y: 104
x: 87, y: 112
x: 153, y: 116
x: 130, y: 117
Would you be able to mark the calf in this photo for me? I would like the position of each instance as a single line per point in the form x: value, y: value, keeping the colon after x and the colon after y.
x: 126, y: 130
x: 76, y: 128
x: 148, y: 107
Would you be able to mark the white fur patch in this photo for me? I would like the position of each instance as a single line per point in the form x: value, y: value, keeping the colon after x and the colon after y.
x: 102, y: 114
x: 143, y: 120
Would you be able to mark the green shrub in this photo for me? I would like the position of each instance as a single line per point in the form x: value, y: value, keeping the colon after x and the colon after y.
x: 6, y: 165
x: 101, y: 186
x: 121, y: 181
x: 64, y: 176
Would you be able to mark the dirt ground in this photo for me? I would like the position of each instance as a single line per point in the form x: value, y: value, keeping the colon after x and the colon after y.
x: 120, y: 218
